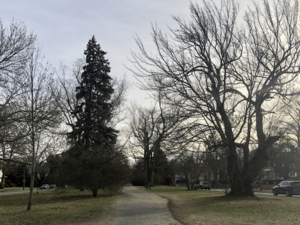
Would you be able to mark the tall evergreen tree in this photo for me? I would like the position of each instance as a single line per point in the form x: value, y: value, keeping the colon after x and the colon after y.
x: 93, y: 111
x: 94, y: 161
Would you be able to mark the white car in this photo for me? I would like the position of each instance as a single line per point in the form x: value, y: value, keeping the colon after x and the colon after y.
x: 45, y: 186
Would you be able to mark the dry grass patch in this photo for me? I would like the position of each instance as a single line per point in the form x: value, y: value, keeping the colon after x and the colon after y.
x: 211, y: 207
x: 68, y: 206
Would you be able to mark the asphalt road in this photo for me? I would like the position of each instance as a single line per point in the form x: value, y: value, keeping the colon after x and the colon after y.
x: 263, y: 193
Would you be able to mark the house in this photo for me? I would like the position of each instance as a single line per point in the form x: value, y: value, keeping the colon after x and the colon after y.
x: 284, y: 167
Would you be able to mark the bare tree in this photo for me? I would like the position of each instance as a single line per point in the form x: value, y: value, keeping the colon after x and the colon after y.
x: 151, y: 129
x: 225, y: 76
x: 12, y: 141
x: 191, y: 165
x: 291, y: 121
x: 40, y: 114
x: 15, y: 46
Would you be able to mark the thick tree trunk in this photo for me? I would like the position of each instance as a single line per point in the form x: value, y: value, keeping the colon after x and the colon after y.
x: 187, y: 182
x: 242, y: 185
x: 241, y: 188
x: 2, y: 179
x: 241, y: 179
x: 95, y: 192
x: 149, y: 177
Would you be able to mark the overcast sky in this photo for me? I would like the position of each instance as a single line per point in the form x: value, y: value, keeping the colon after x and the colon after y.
x: 64, y: 27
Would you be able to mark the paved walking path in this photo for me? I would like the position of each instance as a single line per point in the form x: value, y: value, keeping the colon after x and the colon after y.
x: 143, y: 208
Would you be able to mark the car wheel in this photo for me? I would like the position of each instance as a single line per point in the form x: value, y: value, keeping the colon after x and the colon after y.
x: 274, y: 193
x: 287, y: 193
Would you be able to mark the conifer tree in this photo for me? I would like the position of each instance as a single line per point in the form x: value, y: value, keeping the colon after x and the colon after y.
x: 93, y: 111
x: 94, y: 161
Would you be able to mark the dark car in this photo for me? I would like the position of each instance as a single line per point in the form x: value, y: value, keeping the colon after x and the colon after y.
x: 45, y: 186
x: 52, y: 186
x: 287, y: 187
x: 205, y: 185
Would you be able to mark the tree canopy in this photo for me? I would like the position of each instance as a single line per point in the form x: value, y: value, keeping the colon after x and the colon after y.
x: 227, y: 76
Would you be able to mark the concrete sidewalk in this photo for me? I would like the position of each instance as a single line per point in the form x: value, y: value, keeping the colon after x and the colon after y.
x: 142, y: 207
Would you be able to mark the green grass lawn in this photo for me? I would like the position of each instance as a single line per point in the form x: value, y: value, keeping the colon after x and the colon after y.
x: 209, y: 207
x: 67, y: 206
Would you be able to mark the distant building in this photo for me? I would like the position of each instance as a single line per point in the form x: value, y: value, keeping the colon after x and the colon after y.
x: 285, y: 167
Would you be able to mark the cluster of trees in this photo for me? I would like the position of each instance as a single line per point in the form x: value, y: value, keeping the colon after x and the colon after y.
x: 27, y: 108
x: 228, y: 78
x: 216, y: 86
x: 42, y: 115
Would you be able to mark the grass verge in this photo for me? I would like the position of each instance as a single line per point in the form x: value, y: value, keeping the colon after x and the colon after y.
x: 66, y: 206
x: 211, y: 207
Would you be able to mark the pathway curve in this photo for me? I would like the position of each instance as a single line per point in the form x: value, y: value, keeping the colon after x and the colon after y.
x: 144, y: 208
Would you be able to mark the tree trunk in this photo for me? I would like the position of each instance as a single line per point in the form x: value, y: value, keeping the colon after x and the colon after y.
x: 186, y: 178
x: 31, y: 181
x: 32, y: 121
x: 149, y: 177
x: 241, y: 188
x: 24, y: 178
x: 3, y: 179
x: 242, y: 185
x: 241, y: 179
x: 95, y: 192
x: 31, y: 191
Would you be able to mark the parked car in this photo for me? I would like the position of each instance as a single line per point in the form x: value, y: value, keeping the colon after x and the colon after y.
x: 205, y: 185
x: 287, y: 187
x: 52, y: 186
x: 45, y: 186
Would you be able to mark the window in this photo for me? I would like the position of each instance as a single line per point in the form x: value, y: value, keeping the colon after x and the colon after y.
x: 279, y: 176
x: 292, y: 166
x: 293, y: 174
